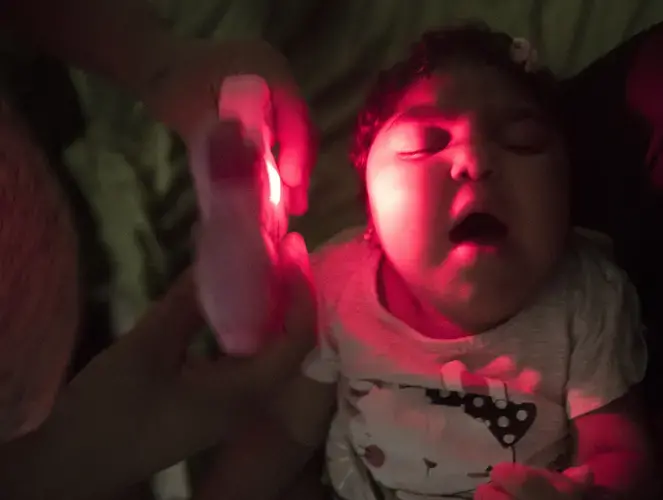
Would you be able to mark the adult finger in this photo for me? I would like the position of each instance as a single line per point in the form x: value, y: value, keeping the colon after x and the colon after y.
x: 297, y: 144
x: 301, y: 314
x: 165, y: 330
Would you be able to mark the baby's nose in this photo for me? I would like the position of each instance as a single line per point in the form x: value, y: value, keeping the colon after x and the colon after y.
x: 468, y: 166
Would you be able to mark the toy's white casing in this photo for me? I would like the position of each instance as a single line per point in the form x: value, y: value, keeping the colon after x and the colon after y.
x: 235, y: 261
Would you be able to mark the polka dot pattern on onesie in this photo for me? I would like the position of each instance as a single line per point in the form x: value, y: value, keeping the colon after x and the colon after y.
x: 507, y: 421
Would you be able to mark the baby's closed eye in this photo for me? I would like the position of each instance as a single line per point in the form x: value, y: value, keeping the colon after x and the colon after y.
x: 524, y: 135
x: 426, y: 140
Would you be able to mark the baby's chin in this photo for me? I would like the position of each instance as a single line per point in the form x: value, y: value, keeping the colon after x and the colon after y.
x: 482, y: 293
x: 472, y: 265
x: 477, y: 312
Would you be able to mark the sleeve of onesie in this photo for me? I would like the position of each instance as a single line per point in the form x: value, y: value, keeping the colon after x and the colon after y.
x: 608, y: 353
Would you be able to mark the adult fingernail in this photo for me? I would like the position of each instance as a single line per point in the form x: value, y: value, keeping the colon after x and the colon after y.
x: 293, y: 248
x: 290, y: 166
x: 297, y: 200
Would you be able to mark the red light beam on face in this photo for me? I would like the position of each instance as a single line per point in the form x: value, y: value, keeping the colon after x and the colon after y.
x: 274, y: 180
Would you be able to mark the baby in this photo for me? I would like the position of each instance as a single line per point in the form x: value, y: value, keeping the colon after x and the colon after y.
x: 472, y: 345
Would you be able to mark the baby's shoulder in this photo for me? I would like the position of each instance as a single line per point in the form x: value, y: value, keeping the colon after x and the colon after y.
x: 591, y: 266
x: 337, y: 260
x: 596, y: 283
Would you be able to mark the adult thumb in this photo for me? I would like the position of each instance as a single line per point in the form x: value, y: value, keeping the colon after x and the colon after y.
x: 299, y: 298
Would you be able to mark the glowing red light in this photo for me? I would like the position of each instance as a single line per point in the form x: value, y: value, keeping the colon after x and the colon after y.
x: 274, y: 180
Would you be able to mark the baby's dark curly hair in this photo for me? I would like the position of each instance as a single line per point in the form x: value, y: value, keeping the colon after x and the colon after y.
x: 472, y: 42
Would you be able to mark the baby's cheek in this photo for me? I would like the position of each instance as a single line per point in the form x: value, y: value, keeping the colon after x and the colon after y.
x: 391, y: 196
x: 540, y: 208
x: 408, y: 211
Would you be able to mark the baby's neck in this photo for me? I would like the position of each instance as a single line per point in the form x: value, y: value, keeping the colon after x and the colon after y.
x: 395, y: 296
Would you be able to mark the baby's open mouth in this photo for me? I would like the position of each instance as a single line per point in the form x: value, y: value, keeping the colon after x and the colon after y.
x: 480, y: 228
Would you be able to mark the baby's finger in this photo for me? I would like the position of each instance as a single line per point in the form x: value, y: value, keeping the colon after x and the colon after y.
x: 490, y: 491
x: 525, y: 483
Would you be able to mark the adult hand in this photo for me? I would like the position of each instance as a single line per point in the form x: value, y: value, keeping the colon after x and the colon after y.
x: 177, y: 79
x: 144, y: 404
x: 519, y: 482
x: 183, y: 93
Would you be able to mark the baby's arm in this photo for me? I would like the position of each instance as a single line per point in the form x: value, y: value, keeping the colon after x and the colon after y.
x: 606, y: 365
x: 612, y: 442
x: 604, y: 404
x: 264, y: 460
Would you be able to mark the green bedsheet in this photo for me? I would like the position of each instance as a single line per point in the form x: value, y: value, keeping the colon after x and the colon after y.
x: 134, y: 173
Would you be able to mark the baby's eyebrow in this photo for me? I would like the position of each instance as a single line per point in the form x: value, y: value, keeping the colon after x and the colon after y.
x: 426, y: 112
x: 523, y: 113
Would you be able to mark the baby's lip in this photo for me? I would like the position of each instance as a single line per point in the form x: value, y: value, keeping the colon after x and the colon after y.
x: 475, y: 197
x: 470, y: 204
x: 476, y: 222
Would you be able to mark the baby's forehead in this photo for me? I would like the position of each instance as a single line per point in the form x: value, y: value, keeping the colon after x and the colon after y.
x: 466, y: 88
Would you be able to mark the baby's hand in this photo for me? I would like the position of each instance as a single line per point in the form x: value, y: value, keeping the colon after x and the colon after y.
x: 519, y: 482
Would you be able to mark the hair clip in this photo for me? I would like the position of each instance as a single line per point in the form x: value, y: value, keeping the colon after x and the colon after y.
x: 523, y: 53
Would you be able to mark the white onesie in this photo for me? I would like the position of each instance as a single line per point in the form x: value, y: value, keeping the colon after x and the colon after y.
x: 422, y: 418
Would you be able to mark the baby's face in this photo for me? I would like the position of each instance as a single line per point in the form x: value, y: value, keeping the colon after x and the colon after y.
x: 468, y: 194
